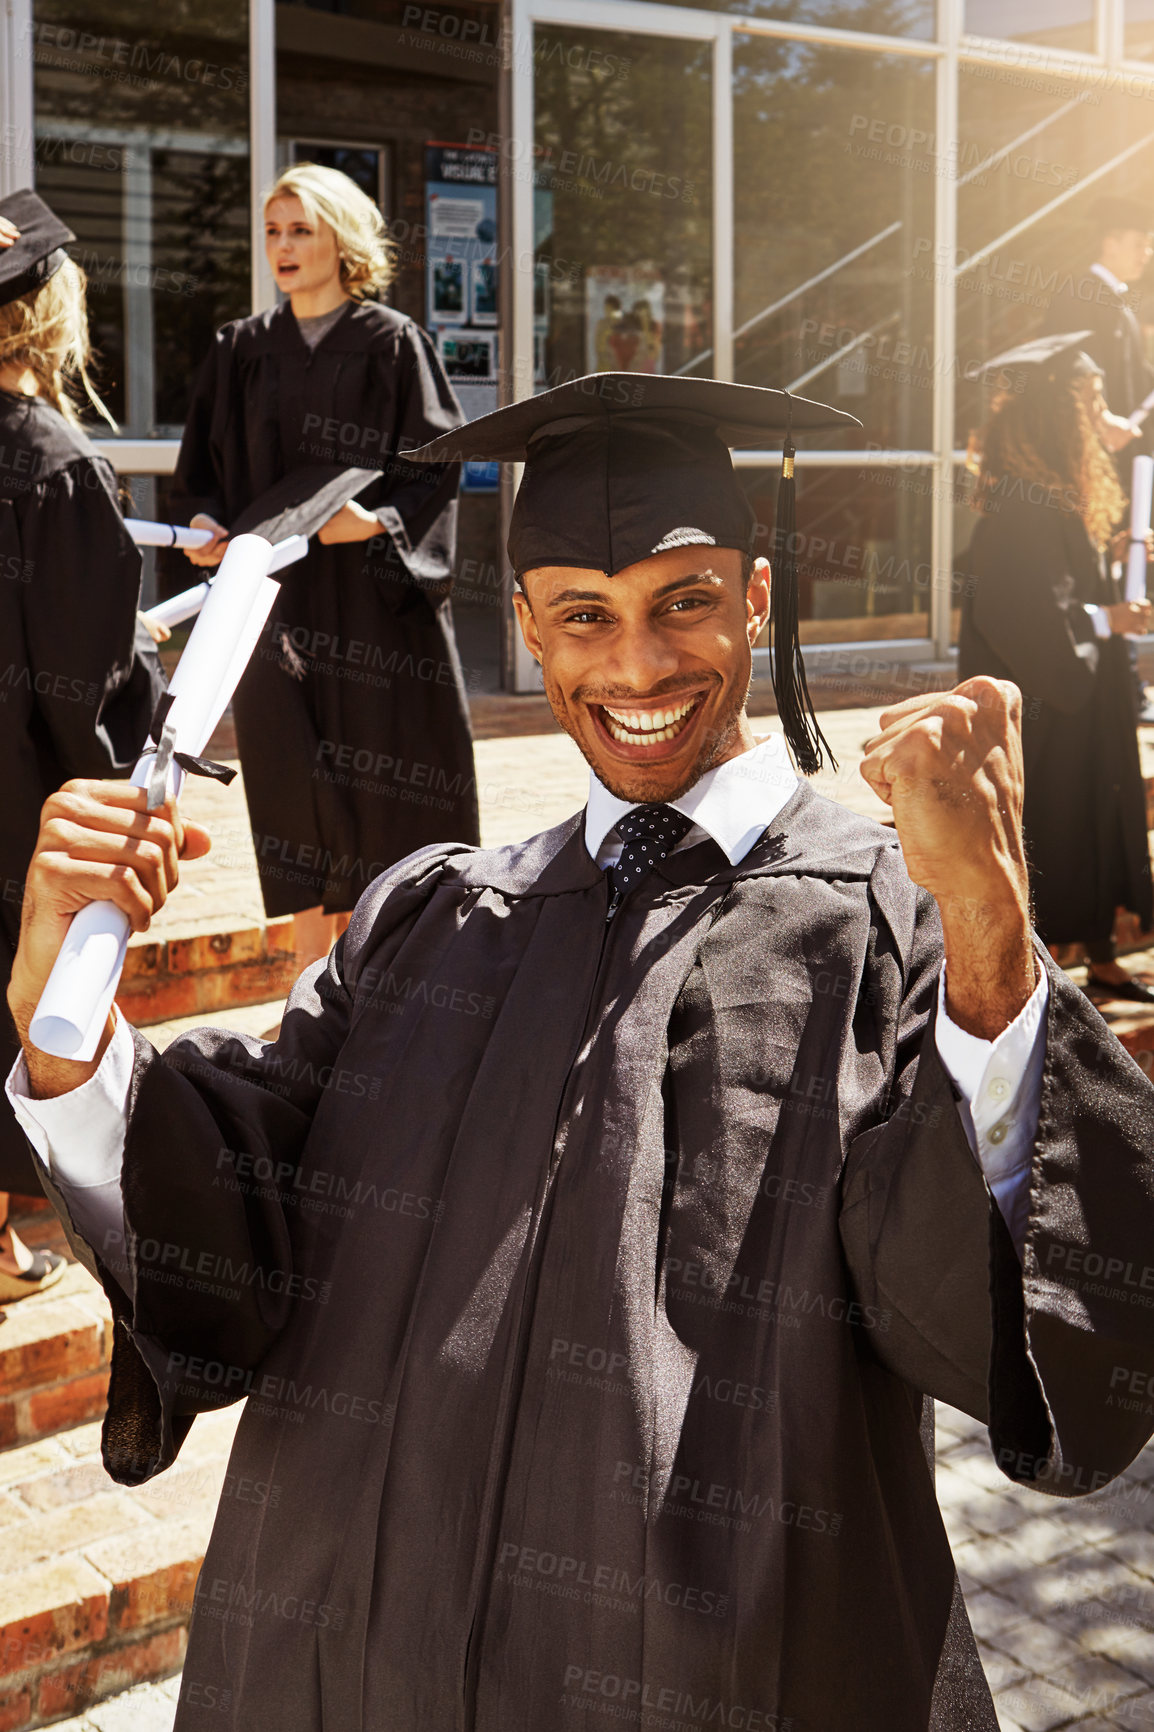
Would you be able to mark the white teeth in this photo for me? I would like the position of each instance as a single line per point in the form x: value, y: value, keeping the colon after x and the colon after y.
x: 646, y: 727
x: 649, y: 721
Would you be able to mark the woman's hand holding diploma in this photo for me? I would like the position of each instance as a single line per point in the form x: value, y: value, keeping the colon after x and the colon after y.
x: 351, y: 523
x: 213, y: 551
x: 97, y: 843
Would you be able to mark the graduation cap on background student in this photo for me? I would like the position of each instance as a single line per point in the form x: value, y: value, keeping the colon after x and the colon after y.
x: 1044, y: 360
x: 621, y: 466
x: 302, y: 501
x: 39, y: 253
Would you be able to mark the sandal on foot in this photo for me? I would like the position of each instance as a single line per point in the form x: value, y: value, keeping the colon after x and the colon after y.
x: 45, y: 1269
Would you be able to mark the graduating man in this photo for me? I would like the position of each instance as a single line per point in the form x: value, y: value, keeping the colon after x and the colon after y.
x: 1101, y: 302
x: 590, y: 1239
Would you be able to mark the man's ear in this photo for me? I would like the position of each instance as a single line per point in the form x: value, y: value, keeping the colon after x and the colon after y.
x: 528, y: 625
x: 757, y: 599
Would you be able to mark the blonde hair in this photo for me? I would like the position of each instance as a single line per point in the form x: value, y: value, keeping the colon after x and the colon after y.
x: 368, y: 257
x: 46, y: 331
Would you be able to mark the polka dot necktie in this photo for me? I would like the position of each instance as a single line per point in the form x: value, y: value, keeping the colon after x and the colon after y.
x: 648, y: 832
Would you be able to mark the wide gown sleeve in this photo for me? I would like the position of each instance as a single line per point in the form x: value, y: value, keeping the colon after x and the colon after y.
x: 1056, y: 1352
x: 198, y: 482
x: 206, y: 1277
x: 79, y: 610
x: 417, y: 503
x: 1027, y: 608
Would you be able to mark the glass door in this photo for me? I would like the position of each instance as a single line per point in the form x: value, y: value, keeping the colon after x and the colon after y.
x: 622, y: 203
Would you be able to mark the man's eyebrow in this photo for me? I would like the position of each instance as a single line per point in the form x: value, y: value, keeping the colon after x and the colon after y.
x: 690, y: 578
x: 685, y: 582
x: 568, y: 595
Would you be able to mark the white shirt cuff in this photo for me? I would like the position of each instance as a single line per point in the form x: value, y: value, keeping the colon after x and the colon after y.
x: 1099, y: 619
x: 80, y: 1135
x: 1000, y: 1082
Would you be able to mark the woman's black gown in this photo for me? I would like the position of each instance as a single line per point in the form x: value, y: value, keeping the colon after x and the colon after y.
x: 1032, y: 569
x: 75, y: 697
x: 352, y: 722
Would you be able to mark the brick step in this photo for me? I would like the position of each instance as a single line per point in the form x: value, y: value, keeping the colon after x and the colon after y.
x: 98, y: 1578
x: 199, y: 975
x: 55, y: 1346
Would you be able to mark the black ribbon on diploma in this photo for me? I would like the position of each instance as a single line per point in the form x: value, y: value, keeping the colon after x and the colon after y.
x: 161, y: 730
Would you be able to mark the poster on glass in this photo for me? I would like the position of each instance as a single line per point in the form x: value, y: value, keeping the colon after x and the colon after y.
x: 624, y: 319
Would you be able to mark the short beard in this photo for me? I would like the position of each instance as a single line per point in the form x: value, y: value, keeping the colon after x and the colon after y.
x: 714, y: 749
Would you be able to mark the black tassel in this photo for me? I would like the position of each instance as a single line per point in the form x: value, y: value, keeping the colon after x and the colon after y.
x: 794, y: 704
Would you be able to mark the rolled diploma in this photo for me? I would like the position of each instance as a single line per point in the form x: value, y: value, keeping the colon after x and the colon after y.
x: 1140, y: 500
x: 78, y: 994
x: 180, y: 607
x: 146, y: 534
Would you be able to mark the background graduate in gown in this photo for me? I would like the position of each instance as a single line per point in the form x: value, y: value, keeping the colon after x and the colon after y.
x: 352, y: 722
x: 75, y: 699
x: 591, y: 1236
x: 1043, y: 611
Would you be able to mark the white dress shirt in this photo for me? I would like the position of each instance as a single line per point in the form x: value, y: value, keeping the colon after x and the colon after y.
x: 79, y: 1136
x: 1106, y: 276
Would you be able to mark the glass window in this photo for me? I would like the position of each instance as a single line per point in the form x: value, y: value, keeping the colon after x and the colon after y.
x: 885, y: 17
x: 623, y: 204
x: 1067, y: 24
x: 142, y: 148
x: 863, y: 549
x: 1026, y: 146
x: 1138, y: 30
x: 834, y: 177
x: 366, y: 164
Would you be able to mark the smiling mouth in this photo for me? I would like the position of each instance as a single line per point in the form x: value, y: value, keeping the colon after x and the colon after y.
x: 654, y: 727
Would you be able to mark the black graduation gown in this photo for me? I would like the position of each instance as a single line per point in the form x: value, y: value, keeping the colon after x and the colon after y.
x: 356, y: 745
x: 1031, y: 569
x: 586, y: 1279
x: 74, y: 699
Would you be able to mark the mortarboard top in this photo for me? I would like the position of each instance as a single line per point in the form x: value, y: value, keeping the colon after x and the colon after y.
x: 1043, y: 360
x: 622, y: 466
x: 302, y: 501
x: 39, y: 253
x: 619, y: 466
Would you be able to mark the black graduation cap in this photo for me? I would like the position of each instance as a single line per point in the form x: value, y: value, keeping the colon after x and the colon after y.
x: 620, y: 466
x: 302, y: 501
x: 1045, y: 360
x: 39, y: 253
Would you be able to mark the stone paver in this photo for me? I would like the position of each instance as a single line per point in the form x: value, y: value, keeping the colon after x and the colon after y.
x: 1065, y: 1624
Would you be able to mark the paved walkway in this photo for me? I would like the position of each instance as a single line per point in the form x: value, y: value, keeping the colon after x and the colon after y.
x: 1061, y: 1594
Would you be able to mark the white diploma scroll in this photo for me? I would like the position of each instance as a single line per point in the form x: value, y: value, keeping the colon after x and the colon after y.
x: 189, y: 602
x: 74, y: 1005
x: 146, y: 534
x: 1141, y: 492
x: 178, y: 608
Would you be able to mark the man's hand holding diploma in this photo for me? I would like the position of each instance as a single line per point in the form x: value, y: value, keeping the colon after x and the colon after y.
x: 949, y: 766
x: 97, y: 843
